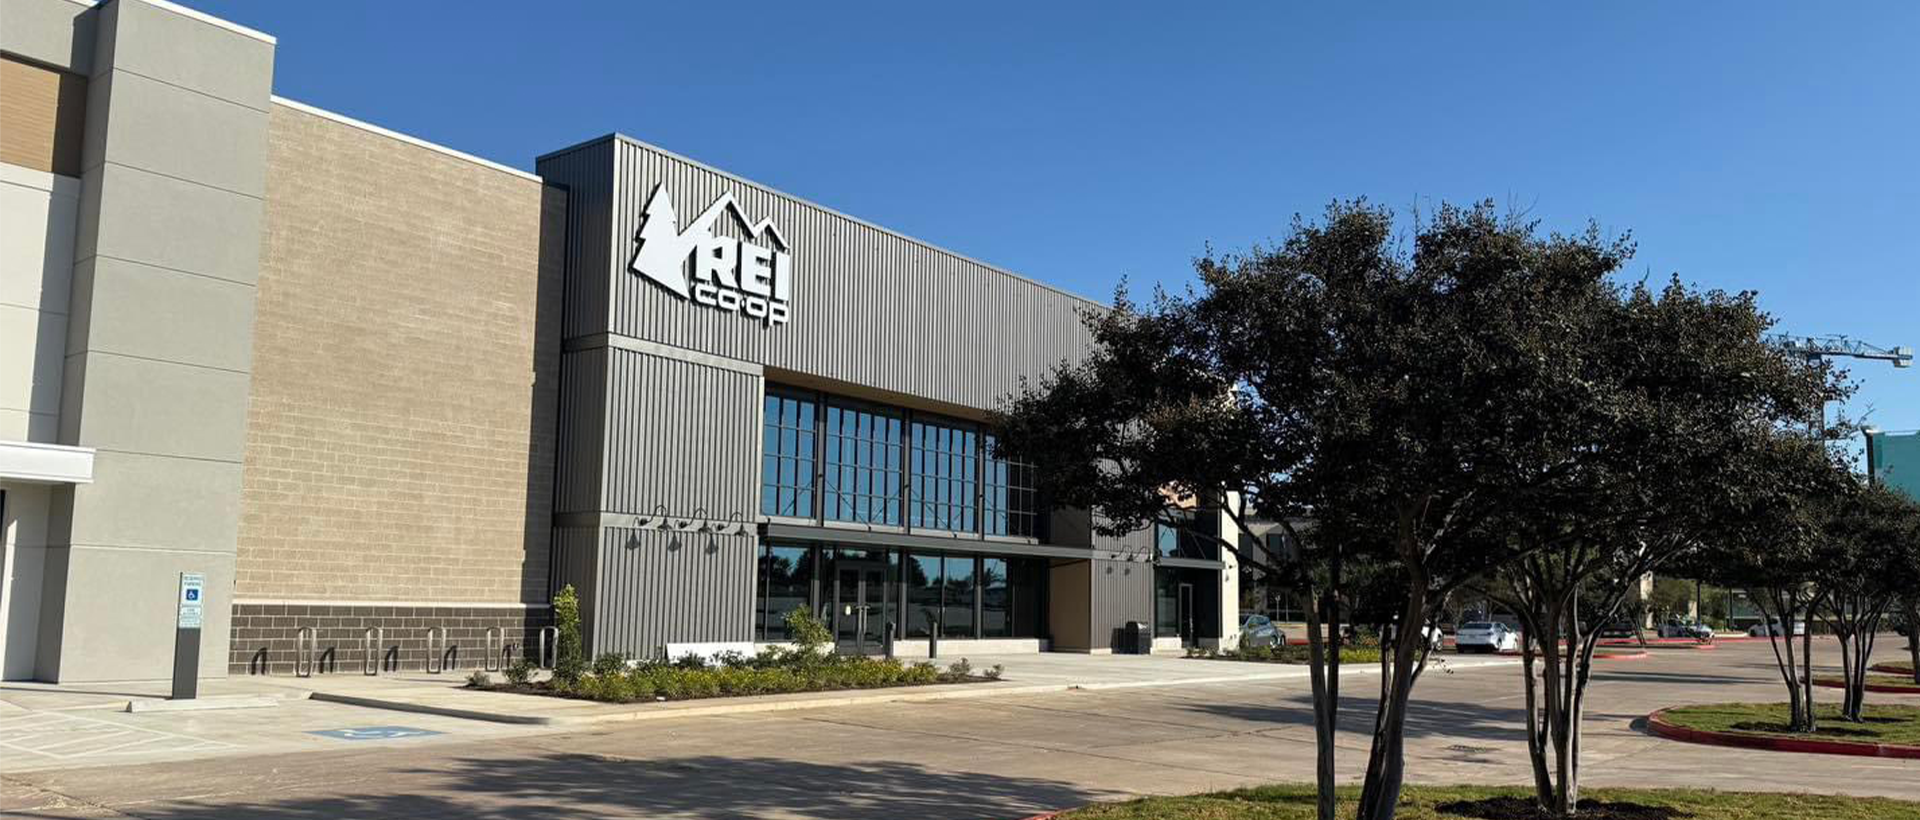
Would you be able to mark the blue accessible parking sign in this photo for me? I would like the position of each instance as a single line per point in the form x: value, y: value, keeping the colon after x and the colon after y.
x: 374, y: 733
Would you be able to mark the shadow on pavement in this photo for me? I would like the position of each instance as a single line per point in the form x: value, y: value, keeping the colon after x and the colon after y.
x: 579, y: 785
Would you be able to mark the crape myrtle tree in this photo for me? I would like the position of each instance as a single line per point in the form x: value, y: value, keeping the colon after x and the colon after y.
x: 1773, y: 554
x: 1679, y: 430
x: 1868, y: 558
x: 1384, y: 392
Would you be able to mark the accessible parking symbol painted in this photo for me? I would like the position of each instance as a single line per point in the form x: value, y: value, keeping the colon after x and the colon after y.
x: 374, y: 733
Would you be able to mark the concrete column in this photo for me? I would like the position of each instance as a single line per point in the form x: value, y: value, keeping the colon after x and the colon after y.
x: 159, y: 346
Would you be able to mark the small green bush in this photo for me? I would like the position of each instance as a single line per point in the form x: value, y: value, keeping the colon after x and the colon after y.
x: 520, y: 672
x: 994, y: 672
x: 807, y: 631
x: 569, y: 661
x: 960, y: 668
x: 479, y: 679
x: 610, y: 663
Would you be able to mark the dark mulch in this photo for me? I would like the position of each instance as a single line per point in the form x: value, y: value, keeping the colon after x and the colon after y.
x: 1522, y: 808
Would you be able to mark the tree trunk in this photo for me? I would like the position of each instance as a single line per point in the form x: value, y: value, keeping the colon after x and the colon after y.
x: 1913, y: 637
x: 1326, y: 707
x: 1806, y: 666
x: 1386, y: 770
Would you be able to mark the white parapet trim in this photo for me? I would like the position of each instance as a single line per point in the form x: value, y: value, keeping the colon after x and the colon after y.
x: 45, y: 463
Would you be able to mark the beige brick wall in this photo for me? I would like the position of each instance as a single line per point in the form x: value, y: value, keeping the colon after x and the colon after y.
x: 401, y: 431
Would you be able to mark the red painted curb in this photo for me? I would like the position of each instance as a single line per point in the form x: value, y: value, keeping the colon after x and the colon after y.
x: 1830, y: 683
x: 1658, y: 725
x: 1048, y: 816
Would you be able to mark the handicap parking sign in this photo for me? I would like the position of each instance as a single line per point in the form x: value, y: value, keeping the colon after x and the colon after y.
x: 374, y: 733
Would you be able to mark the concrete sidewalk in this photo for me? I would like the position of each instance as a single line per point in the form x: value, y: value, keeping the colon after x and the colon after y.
x: 447, y: 695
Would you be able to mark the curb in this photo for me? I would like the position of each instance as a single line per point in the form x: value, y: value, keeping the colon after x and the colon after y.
x: 1830, y: 683
x: 1658, y: 725
x: 1048, y: 816
x: 1889, y: 669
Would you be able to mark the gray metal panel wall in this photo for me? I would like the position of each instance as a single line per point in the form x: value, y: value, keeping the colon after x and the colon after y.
x: 578, y: 472
x: 587, y: 172
x: 575, y: 550
x: 869, y: 306
x: 1122, y: 592
x: 657, y: 586
x: 682, y: 438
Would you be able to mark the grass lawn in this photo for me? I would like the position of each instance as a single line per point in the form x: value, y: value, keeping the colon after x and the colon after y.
x: 1883, y: 723
x: 1897, y: 667
x: 1506, y: 803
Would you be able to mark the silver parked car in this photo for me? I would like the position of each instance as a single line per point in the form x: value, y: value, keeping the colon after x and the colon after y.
x: 1259, y: 630
x: 1675, y: 628
x: 1486, y: 636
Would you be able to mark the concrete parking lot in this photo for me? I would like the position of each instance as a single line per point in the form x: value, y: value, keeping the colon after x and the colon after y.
x: 1001, y: 757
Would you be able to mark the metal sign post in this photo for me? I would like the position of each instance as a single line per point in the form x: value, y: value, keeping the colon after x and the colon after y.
x: 191, y: 608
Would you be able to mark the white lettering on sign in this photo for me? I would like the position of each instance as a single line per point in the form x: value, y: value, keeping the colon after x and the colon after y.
x: 752, y: 276
x: 192, y: 604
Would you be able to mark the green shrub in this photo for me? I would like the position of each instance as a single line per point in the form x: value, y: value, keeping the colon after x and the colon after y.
x: 479, y: 679
x: 521, y: 671
x: 610, y: 663
x: 960, y: 669
x: 569, y: 661
x: 994, y: 672
x: 808, y: 632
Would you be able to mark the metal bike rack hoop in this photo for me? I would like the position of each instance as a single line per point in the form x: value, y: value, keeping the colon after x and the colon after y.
x: 436, y: 661
x: 370, y: 645
x: 305, y: 645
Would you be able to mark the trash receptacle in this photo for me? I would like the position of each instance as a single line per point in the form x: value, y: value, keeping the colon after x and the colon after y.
x: 1137, y: 638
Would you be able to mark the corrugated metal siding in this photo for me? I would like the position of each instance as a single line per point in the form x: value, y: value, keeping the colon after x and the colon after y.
x: 681, y: 437
x: 587, y: 171
x: 583, y: 421
x: 658, y: 586
x: 574, y: 554
x: 869, y: 307
x: 1122, y: 592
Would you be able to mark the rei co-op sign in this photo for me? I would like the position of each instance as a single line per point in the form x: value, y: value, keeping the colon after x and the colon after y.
x: 752, y: 276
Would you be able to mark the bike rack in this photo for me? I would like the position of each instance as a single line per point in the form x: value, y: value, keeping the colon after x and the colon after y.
x: 370, y: 644
x: 549, y: 640
x: 436, y: 663
x: 304, y: 646
x: 495, y: 642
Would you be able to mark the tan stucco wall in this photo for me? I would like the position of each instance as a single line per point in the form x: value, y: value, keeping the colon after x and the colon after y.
x: 400, y: 435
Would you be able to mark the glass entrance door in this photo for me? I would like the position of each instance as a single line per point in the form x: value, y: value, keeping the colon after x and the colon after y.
x: 860, y: 606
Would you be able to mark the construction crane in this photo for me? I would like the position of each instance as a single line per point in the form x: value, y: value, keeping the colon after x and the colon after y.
x: 1823, y: 347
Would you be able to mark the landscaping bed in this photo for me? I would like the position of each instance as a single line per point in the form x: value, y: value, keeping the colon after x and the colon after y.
x: 1506, y: 803
x: 806, y: 666
x: 1885, y: 731
x: 1889, y: 684
x: 776, y: 671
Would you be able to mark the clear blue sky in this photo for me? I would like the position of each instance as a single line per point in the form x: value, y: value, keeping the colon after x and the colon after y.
x: 1763, y: 146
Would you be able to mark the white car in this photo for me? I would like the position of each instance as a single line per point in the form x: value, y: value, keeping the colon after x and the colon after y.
x: 1486, y: 636
x: 1681, y: 629
x: 1774, y: 628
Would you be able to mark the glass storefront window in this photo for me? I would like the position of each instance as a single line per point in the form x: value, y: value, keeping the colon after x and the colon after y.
x: 924, y: 583
x: 786, y: 584
x: 996, y: 599
x: 945, y: 464
x: 958, y: 622
x: 787, y: 456
x: 1010, y: 502
x: 1166, y: 603
x: 863, y: 463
